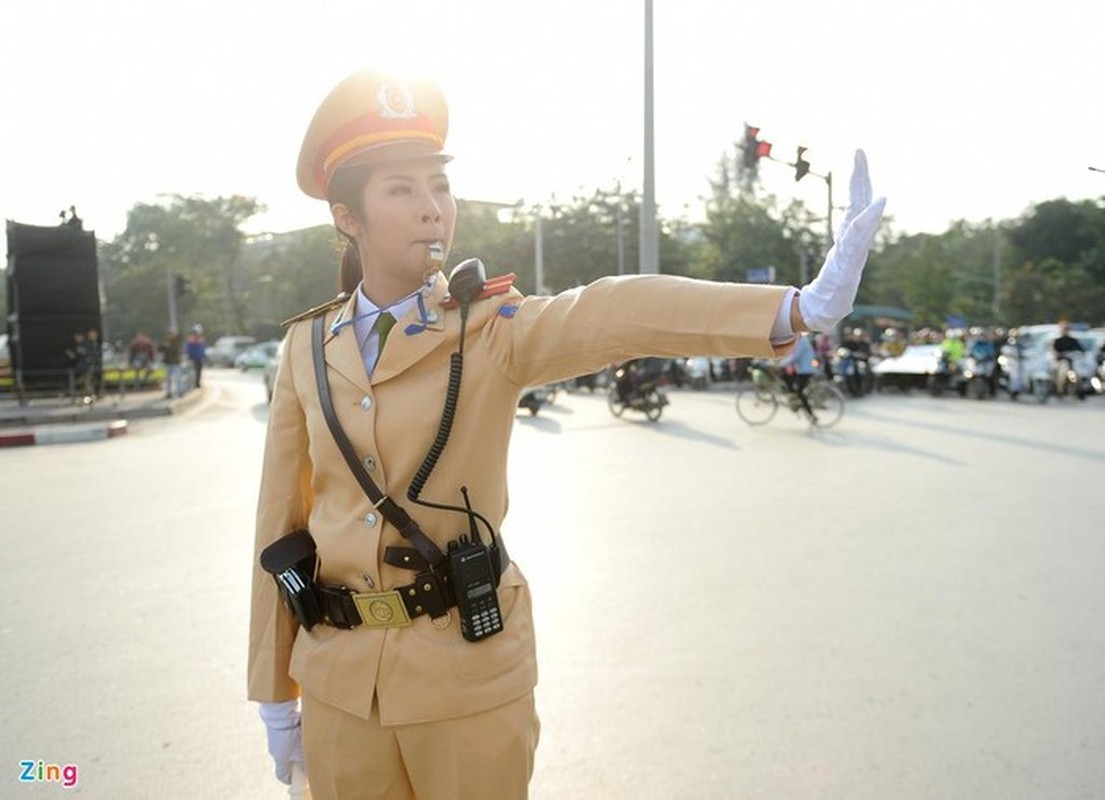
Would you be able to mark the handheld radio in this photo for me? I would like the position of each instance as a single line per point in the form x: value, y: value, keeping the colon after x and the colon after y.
x: 474, y: 577
x: 473, y: 582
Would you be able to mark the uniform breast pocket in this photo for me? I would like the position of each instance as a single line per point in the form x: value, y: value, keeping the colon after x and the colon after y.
x: 505, y: 651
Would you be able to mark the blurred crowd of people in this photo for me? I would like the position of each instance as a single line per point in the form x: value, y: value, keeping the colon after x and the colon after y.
x: 986, y: 359
x: 86, y: 357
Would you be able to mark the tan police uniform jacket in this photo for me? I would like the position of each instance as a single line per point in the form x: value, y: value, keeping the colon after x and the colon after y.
x: 421, y: 672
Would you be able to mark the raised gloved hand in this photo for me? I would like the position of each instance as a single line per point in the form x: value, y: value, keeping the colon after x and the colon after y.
x: 829, y: 298
x: 285, y: 736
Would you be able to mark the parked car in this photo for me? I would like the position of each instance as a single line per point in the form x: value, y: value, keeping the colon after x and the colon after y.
x: 257, y: 356
x: 268, y: 371
x: 228, y: 348
x: 915, y: 368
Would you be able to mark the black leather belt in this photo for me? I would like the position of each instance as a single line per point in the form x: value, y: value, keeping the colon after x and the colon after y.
x: 344, y: 608
x: 430, y: 593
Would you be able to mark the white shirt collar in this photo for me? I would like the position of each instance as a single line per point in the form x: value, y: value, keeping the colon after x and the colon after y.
x: 364, y: 321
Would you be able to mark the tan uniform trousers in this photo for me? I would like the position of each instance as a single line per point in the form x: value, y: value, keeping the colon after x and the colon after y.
x: 486, y: 756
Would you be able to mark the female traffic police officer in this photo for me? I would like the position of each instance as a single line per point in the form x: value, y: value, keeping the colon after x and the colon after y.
x: 395, y: 700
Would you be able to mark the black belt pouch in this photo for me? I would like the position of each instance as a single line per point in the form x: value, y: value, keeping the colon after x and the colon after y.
x: 291, y: 560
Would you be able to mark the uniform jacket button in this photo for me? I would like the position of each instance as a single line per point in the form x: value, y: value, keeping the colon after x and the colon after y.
x: 366, y: 403
x: 431, y: 316
x: 369, y: 462
x: 370, y: 519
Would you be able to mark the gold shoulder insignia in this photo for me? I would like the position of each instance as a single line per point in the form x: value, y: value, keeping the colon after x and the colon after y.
x: 319, y: 309
x: 493, y: 286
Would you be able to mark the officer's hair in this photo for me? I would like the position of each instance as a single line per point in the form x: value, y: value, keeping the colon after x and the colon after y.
x: 347, y: 188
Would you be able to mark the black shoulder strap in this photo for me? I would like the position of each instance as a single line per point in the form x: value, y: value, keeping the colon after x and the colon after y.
x: 393, y: 512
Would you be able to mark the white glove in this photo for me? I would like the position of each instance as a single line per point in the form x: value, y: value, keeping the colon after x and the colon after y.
x: 829, y: 297
x: 285, y: 737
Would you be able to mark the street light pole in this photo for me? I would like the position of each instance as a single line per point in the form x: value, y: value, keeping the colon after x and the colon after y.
x: 170, y: 288
x: 538, y: 255
x: 621, y: 238
x: 650, y: 234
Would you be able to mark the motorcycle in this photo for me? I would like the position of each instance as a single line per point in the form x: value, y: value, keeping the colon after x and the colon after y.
x: 1069, y: 381
x: 947, y: 377
x: 979, y: 377
x: 634, y: 390
x: 852, y: 370
x: 533, y: 398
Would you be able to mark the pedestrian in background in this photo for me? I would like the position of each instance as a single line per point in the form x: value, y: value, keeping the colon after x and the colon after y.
x: 823, y: 346
x: 170, y: 357
x: 141, y: 353
x: 378, y: 660
x: 95, y: 350
x: 196, y: 350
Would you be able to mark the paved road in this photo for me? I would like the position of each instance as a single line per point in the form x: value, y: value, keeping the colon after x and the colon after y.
x: 907, y: 606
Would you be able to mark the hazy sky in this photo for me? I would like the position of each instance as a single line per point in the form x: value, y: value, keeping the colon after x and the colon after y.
x: 967, y: 109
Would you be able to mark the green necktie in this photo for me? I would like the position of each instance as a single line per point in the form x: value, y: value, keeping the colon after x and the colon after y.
x: 383, y: 326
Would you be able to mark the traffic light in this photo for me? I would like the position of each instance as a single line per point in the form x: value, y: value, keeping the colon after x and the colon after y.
x: 801, y: 166
x: 181, y: 285
x: 753, y: 148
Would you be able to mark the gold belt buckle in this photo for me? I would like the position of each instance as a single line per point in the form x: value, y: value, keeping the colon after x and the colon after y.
x: 382, y: 609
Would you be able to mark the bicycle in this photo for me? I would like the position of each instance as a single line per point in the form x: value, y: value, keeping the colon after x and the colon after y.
x: 758, y: 402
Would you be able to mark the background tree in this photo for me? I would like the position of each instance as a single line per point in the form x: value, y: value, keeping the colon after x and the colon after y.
x: 1058, y: 255
x: 286, y: 273
x: 197, y: 239
x: 497, y: 235
x: 581, y: 238
x: 743, y: 231
x: 1049, y: 263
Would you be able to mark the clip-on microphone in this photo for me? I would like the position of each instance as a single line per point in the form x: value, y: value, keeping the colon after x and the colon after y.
x: 466, y: 282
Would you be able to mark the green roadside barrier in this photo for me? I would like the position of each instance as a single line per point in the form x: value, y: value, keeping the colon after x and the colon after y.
x: 113, y: 377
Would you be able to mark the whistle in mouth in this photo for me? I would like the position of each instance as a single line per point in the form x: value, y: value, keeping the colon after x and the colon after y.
x: 435, y: 256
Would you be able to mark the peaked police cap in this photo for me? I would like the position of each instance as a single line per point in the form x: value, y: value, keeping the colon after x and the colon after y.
x: 371, y: 117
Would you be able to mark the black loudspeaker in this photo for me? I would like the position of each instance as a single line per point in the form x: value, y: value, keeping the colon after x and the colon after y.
x: 41, y: 353
x: 53, y: 293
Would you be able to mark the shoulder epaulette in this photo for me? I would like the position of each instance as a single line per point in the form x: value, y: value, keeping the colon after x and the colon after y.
x: 319, y: 309
x: 500, y: 284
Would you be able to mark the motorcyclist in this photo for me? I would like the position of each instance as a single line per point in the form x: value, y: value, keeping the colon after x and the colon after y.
x: 893, y: 343
x: 952, y: 349
x: 982, y: 350
x: 855, y: 379
x: 823, y: 346
x: 628, y: 378
x: 1062, y: 348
